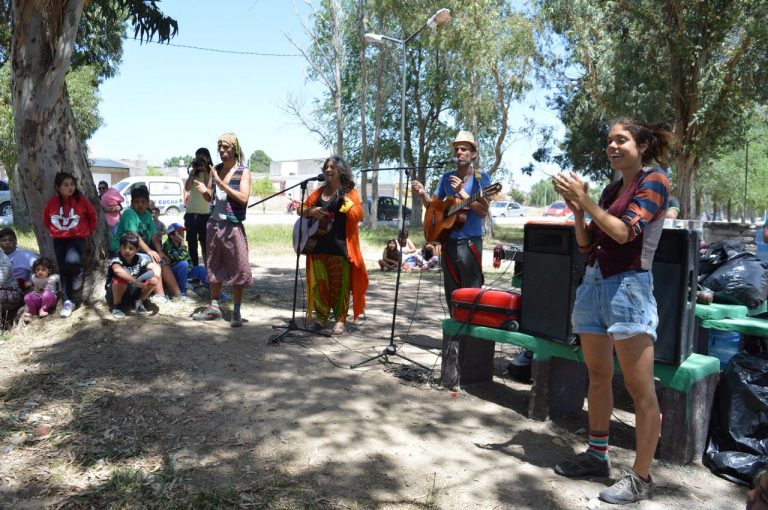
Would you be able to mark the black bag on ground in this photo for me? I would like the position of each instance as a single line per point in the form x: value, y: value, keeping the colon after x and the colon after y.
x: 741, y: 280
x: 718, y: 253
x: 737, y: 447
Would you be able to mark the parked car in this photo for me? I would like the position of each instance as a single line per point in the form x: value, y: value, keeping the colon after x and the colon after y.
x: 167, y: 192
x: 558, y: 209
x: 503, y: 209
x: 5, y: 199
x: 387, y: 208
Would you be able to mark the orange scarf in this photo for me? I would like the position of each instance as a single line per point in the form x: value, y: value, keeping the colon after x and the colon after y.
x: 358, y: 273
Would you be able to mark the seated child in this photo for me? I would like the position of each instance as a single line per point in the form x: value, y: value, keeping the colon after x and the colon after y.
x: 159, y: 225
x: 390, y: 257
x: 423, y: 261
x: 129, y: 279
x: 405, y: 244
x: 180, y: 261
x: 112, y: 203
x: 42, y: 298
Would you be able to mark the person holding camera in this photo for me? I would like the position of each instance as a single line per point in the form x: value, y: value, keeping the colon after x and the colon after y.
x: 198, y: 208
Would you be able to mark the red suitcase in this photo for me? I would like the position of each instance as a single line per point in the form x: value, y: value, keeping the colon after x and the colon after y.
x: 491, y: 308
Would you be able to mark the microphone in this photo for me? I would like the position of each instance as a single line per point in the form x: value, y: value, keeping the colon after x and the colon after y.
x: 447, y: 162
x: 320, y: 178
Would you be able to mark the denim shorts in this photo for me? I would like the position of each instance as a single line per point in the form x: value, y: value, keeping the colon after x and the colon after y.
x: 621, y: 306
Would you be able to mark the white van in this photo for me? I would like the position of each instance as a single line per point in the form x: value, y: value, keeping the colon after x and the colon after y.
x: 167, y: 192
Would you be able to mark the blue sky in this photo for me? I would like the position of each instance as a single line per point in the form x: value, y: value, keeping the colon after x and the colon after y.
x: 168, y: 100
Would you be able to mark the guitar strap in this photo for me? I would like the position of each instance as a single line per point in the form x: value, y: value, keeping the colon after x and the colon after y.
x: 449, y: 264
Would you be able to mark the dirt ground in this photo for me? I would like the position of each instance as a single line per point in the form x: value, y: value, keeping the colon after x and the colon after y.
x: 166, y: 412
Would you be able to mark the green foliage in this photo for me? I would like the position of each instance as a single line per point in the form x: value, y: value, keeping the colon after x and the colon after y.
x: 517, y: 195
x: 461, y: 76
x: 152, y: 171
x: 177, y: 161
x: 82, y: 86
x: 262, y: 187
x: 508, y: 234
x: 542, y: 194
x: 722, y: 180
x: 698, y: 65
x: 259, y: 161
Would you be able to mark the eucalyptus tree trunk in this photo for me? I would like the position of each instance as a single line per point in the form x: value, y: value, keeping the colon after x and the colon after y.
x: 42, y: 41
x: 362, y: 96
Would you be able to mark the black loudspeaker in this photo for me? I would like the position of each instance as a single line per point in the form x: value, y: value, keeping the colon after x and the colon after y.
x: 675, y: 273
x: 553, y: 269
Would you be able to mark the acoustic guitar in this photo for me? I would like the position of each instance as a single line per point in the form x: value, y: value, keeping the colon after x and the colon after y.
x: 443, y: 216
x: 310, y: 230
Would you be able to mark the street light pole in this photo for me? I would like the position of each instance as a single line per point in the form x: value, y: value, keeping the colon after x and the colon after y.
x: 439, y: 18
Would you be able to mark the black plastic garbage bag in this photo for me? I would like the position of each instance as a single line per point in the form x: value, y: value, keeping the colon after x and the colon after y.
x: 718, y: 253
x: 742, y: 280
x: 738, y: 434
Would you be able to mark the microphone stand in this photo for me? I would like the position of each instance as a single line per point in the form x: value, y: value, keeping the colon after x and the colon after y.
x: 291, y: 325
x: 391, y: 349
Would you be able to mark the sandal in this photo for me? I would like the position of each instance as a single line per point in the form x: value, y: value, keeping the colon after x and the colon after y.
x: 317, y: 326
x: 338, y: 329
x: 209, y: 314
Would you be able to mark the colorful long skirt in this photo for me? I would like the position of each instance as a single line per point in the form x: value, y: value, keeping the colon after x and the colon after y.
x: 329, y: 283
x: 227, y: 254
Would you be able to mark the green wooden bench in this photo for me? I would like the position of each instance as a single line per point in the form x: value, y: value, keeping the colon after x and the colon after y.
x: 560, y: 380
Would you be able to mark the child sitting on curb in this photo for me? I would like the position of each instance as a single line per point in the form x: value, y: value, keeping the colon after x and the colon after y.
x: 180, y: 261
x: 42, y: 299
x: 129, y: 279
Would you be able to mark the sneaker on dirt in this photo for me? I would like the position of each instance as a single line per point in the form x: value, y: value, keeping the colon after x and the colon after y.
x: 66, y: 309
x: 628, y: 489
x: 584, y: 464
x: 140, y: 310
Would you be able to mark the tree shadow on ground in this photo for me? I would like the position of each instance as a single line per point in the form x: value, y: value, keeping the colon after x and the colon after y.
x: 196, y: 414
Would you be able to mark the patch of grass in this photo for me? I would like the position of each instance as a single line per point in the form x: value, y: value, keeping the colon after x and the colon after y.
x: 132, y: 488
x: 26, y: 238
x: 7, y: 425
x: 378, y: 236
x: 509, y: 235
x: 269, y: 234
x: 28, y: 385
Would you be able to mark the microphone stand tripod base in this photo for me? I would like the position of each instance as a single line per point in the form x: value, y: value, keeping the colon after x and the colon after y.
x: 390, y: 350
x: 292, y: 326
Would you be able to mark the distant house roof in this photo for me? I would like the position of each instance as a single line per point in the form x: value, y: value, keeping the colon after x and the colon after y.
x: 107, y: 163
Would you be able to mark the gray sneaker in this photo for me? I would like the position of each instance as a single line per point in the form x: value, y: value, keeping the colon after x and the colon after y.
x: 118, y: 313
x: 160, y: 300
x: 237, y: 321
x: 140, y: 310
x: 584, y: 464
x: 66, y: 309
x: 628, y: 489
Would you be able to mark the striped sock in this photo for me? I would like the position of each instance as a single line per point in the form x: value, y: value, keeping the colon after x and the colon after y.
x: 598, y: 444
x: 215, y: 304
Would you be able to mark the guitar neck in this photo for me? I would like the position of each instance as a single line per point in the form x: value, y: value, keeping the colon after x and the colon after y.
x: 464, y: 203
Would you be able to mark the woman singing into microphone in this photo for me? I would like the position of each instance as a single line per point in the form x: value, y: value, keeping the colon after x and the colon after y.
x: 335, y: 267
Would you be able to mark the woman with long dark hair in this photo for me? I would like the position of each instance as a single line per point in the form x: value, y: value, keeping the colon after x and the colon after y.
x: 615, y: 308
x: 198, y: 208
x: 335, y: 268
x: 70, y: 218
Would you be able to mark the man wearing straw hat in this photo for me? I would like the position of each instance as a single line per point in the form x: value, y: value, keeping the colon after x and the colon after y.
x: 462, y: 253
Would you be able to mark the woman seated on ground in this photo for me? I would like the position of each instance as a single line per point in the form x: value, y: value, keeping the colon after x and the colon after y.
x: 390, y: 257
x: 424, y: 261
x: 405, y: 245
